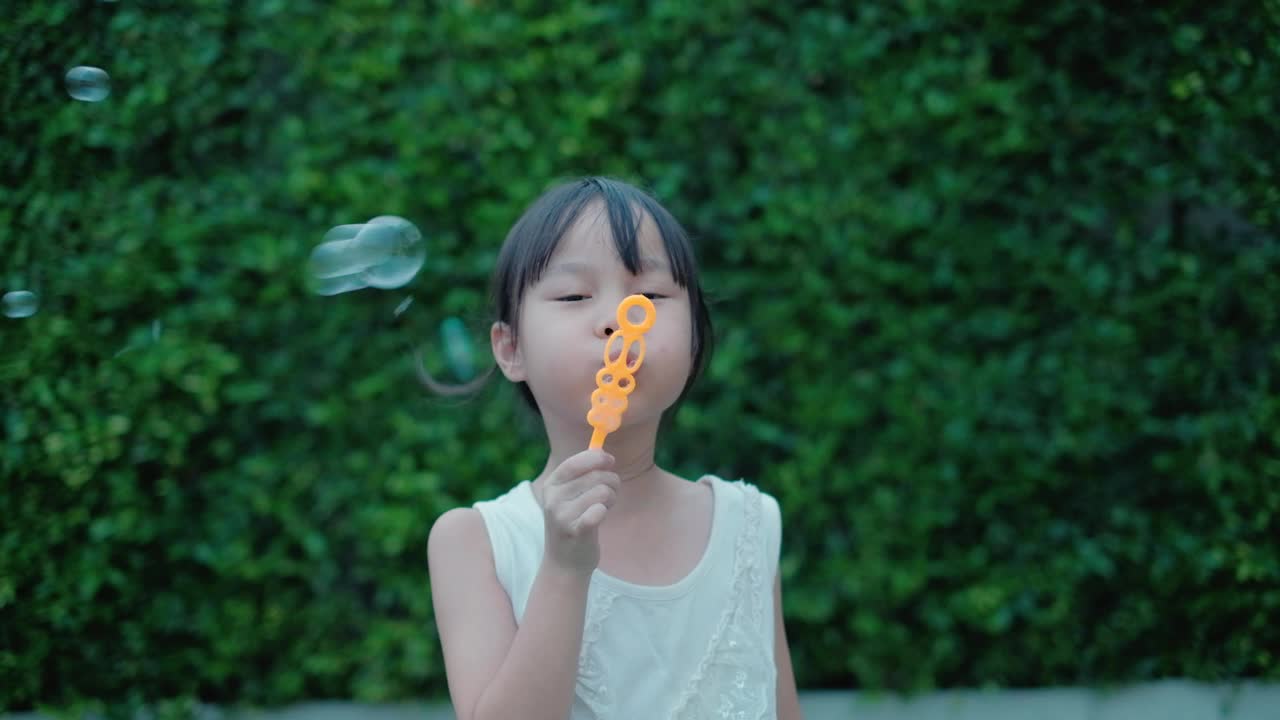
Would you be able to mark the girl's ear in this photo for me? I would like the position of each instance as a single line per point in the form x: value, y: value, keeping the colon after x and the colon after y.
x: 505, y: 352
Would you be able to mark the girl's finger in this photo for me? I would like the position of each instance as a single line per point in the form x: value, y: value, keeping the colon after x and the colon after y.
x: 579, y: 465
x: 589, y: 520
x: 568, y: 515
x: 576, y: 488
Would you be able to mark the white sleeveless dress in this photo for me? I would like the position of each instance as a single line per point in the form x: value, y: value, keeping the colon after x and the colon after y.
x: 701, y: 648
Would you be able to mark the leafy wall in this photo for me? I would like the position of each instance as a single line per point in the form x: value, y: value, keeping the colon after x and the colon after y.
x: 996, y: 293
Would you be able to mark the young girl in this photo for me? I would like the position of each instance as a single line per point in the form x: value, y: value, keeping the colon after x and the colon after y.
x: 607, y: 587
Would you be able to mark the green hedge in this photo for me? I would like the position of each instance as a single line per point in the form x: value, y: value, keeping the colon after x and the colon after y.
x: 997, y: 297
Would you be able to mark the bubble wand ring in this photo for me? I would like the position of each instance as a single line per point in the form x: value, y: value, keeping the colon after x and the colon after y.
x: 615, y: 381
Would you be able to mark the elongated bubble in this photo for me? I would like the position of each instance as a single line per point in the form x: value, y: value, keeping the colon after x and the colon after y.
x: 337, y: 285
x: 404, y: 251
x: 378, y: 241
x: 89, y: 84
x: 343, y: 257
x: 386, y: 252
x: 20, y: 303
x: 342, y: 232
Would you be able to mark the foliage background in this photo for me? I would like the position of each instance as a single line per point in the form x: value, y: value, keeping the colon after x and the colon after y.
x: 996, y: 293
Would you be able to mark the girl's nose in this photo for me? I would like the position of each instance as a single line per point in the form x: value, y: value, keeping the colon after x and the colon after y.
x: 607, y: 322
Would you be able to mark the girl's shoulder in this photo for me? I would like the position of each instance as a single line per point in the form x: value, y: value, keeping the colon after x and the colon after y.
x: 515, y: 512
x: 746, y: 493
x: 758, y: 510
x: 480, y: 516
x: 515, y: 498
x: 761, y: 518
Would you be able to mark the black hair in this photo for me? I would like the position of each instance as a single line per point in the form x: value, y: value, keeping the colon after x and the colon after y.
x: 534, y: 238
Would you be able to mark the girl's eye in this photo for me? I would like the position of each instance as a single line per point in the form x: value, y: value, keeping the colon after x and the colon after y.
x: 576, y: 298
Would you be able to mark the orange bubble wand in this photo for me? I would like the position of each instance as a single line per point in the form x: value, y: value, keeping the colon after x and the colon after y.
x: 615, y: 381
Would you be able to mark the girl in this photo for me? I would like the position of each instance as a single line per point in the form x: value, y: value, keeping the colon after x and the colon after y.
x: 607, y: 587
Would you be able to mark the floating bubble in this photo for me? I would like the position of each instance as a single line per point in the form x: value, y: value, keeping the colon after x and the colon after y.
x: 334, y: 267
x: 20, y: 303
x: 457, y: 348
x: 349, y: 250
x: 338, y: 285
x: 89, y: 84
x: 343, y: 257
x: 342, y: 232
x: 385, y: 253
x: 402, y: 243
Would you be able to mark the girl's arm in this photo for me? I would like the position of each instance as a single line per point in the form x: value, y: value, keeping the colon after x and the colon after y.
x: 788, y: 698
x: 496, y: 670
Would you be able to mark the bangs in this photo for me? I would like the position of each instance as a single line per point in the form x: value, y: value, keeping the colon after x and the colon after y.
x: 533, y: 240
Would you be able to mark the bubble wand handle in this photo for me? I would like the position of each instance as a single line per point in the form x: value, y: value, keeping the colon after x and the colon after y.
x: 616, y: 380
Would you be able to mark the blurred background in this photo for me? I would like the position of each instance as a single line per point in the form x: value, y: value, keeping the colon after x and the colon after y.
x: 996, y: 289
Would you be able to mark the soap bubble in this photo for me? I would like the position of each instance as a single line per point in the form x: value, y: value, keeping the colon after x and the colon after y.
x: 89, y: 84
x: 20, y: 303
x: 404, y: 251
x: 457, y: 348
x: 343, y: 257
x: 342, y: 232
x: 336, y: 263
x: 385, y: 253
x: 338, y: 285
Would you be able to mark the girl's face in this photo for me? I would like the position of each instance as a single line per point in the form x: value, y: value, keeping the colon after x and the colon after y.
x: 567, y: 317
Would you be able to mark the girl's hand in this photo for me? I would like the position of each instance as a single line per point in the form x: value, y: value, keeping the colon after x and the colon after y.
x: 574, y: 501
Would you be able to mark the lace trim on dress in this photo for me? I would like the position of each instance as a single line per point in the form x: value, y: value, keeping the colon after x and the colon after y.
x: 721, y: 686
x: 591, y: 686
